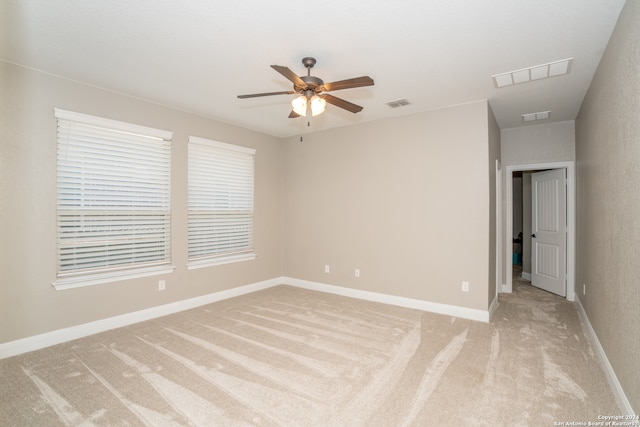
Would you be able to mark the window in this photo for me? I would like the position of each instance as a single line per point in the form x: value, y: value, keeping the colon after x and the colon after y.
x: 220, y: 202
x: 113, y: 200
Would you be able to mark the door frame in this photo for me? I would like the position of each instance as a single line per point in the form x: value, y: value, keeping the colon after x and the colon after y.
x: 507, y: 287
x: 499, y: 239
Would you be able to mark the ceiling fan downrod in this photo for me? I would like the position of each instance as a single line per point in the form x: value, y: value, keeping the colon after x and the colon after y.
x: 314, y: 84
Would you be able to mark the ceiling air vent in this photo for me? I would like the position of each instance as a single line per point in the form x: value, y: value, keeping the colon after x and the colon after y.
x: 537, y: 72
x: 532, y: 117
x: 398, y: 103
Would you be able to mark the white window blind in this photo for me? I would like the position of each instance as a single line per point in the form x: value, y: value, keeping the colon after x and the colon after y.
x: 113, y: 196
x: 220, y: 224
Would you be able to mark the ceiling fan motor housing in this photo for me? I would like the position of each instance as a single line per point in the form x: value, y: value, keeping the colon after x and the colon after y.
x: 311, y: 83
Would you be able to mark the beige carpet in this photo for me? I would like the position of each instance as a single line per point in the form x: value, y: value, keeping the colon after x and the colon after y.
x: 292, y: 357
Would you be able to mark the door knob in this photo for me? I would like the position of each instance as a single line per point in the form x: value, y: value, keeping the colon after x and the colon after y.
x: 533, y: 235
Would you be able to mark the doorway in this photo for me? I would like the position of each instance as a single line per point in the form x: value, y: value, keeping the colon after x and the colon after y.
x: 569, y: 167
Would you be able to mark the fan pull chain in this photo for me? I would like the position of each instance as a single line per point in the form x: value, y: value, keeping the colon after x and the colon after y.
x: 301, y: 139
x: 308, y: 125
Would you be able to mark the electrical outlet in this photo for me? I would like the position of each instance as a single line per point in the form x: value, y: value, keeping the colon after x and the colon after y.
x: 327, y: 269
x: 161, y: 285
x: 465, y: 286
x: 357, y: 272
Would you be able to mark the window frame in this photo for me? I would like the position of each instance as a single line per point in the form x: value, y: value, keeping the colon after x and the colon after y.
x: 206, y: 260
x: 110, y: 272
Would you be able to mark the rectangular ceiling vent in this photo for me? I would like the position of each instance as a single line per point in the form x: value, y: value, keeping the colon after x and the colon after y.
x: 398, y: 103
x: 532, y: 117
x: 537, y: 72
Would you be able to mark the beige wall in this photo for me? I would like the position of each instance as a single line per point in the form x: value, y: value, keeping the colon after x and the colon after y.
x: 406, y: 200
x: 410, y: 201
x: 543, y: 143
x: 608, y: 202
x: 28, y: 304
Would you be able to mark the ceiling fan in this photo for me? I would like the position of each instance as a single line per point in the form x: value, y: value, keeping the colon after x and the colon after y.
x: 311, y: 90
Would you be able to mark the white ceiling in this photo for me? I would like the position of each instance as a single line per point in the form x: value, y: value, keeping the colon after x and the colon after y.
x: 198, y: 55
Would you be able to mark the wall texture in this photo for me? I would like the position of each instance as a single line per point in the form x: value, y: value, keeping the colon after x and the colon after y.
x: 406, y: 200
x: 29, y: 305
x: 608, y: 202
x: 543, y: 143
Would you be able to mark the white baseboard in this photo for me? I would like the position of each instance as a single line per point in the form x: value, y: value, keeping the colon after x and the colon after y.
x: 433, y: 307
x: 616, y: 387
x: 59, y: 336
x: 526, y: 276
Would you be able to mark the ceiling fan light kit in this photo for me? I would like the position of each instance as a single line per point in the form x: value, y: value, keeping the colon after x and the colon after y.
x: 310, y: 90
x: 302, y: 103
x: 299, y: 105
x: 318, y: 105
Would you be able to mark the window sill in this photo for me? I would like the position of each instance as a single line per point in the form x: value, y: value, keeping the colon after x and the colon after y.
x: 96, y: 279
x: 210, y: 262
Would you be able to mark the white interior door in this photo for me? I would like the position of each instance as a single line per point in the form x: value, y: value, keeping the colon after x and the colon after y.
x: 549, y: 228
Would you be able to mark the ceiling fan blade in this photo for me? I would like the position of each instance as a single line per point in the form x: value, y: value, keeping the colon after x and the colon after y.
x: 255, y: 95
x: 293, y: 77
x: 349, y: 83
x: 293, y: 115
x: 339, y: 102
